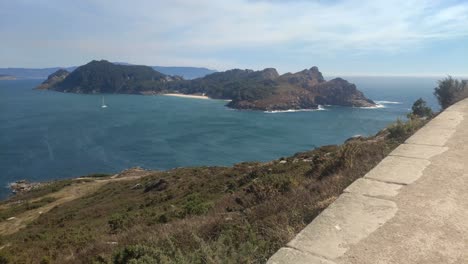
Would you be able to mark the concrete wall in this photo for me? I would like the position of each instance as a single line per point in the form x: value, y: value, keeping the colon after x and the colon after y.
x: 368, y: 203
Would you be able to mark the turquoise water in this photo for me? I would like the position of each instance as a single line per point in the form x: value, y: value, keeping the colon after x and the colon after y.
x: 49, y: 135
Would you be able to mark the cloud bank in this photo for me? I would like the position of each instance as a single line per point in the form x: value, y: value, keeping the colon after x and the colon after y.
x: 224, y: 34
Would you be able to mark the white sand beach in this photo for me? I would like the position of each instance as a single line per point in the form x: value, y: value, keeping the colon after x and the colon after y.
x: 188, y: 96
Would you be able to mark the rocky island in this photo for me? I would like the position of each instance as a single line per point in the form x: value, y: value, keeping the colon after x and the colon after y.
x: 7, y: 77
x: 264, y: 90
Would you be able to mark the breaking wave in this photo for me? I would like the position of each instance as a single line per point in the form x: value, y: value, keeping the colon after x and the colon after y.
x: 320, y: 108
x: 387, y: 102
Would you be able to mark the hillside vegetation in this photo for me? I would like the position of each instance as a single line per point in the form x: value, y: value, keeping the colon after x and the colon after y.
x: 239, y: 214
x: 107, y: 77
x: 450, y: 91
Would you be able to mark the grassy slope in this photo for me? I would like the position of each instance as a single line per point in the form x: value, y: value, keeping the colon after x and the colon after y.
x: 239, y: 214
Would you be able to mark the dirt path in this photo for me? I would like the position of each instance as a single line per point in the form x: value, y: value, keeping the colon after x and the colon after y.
x: 67, y: 194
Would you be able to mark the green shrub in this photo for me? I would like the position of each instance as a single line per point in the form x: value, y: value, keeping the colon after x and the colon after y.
x: 118, y: 222
x: 195, y: 205
x: 3, y: 260
x: 450, y: 91
x: 420, y: 109
x: 45, y: 260
x: 402, y: 130
x: 137, y: 254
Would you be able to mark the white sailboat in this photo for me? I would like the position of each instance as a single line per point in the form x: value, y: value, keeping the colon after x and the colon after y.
x: 103, y: 103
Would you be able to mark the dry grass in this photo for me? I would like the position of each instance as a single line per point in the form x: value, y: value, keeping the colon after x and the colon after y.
x: 76, y: 189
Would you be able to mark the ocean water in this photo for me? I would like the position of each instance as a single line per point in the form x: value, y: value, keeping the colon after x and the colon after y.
x: 49, y: 135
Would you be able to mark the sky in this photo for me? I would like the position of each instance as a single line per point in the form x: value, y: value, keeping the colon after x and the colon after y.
x: 347, y: 37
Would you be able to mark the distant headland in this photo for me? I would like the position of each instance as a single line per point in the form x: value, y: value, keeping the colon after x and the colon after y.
x: 42, y: 73
x: 7, y: 77
x: 264, y: 90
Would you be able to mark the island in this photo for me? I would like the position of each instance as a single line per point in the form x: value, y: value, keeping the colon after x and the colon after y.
x: 263, y: 90
x: 7, y: 77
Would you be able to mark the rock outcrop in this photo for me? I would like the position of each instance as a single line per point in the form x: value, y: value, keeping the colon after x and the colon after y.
x: 306, y: 89
x: 53, y: 79
x: 23, y: 186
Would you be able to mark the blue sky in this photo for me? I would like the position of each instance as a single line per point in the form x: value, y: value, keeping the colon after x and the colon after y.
x: 348, y: 37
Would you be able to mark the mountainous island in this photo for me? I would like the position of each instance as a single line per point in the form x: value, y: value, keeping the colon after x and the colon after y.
x: 264, y: 90
x: 7, y: 77
x: 42, y: 73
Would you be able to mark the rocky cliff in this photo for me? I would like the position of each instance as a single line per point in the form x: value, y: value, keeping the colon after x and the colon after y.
x: 306, y: 90
x: 53, y: 79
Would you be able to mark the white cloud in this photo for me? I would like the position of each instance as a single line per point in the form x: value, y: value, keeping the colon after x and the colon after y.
x: 351, y: 25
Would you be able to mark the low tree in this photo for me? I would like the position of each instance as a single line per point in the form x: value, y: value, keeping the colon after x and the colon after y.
x: 420, y: 109
x: 450, y: 91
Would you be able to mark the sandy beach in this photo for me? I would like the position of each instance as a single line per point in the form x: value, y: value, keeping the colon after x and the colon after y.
x: 188, y: 96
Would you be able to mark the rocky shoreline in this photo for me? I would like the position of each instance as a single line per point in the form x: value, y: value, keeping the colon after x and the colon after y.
x: 23, y: 186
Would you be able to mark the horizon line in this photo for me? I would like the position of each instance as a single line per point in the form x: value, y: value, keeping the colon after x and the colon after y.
x: 333, y: 74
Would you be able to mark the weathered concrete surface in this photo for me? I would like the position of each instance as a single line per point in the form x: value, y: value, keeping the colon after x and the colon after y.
x: 399, y: 170
x: 291, y: 255
x: 431, y: 136
x: 349, y: 219
x: 431, y: 225
x: 373, y: 188
x: 447, y: 120
x: 417, y: 151
x: 411, y: 208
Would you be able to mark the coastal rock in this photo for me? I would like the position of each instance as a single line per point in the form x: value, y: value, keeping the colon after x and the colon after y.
x: 355, y: 138
x: 158, y: 186
x: 132, y: 172
x: 53, y: 79
x: 306, y: 89
x: 23, y: 186
x: 340, y: 92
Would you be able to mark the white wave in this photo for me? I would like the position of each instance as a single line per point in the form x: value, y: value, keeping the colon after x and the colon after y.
x: 387, y: 102
x: 320, y: 108
x: 377, y: 106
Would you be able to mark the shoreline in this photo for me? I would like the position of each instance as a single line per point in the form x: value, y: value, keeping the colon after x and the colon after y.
x: 319, y: 108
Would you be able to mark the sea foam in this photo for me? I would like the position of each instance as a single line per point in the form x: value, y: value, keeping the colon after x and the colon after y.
x: 320, y: 108
x: 380, y: 104
x: 387, y: 102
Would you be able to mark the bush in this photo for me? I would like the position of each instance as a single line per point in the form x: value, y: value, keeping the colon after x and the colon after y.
x: 195, y: 205
x: 137, y: 254
x: 402, y: 130
x: 3, y: 260
x: 450, y: 91
x: 118, y: 222
x: 420, y: 109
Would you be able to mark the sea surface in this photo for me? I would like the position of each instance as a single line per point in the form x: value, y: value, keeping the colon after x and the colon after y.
x: 49, y: 135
